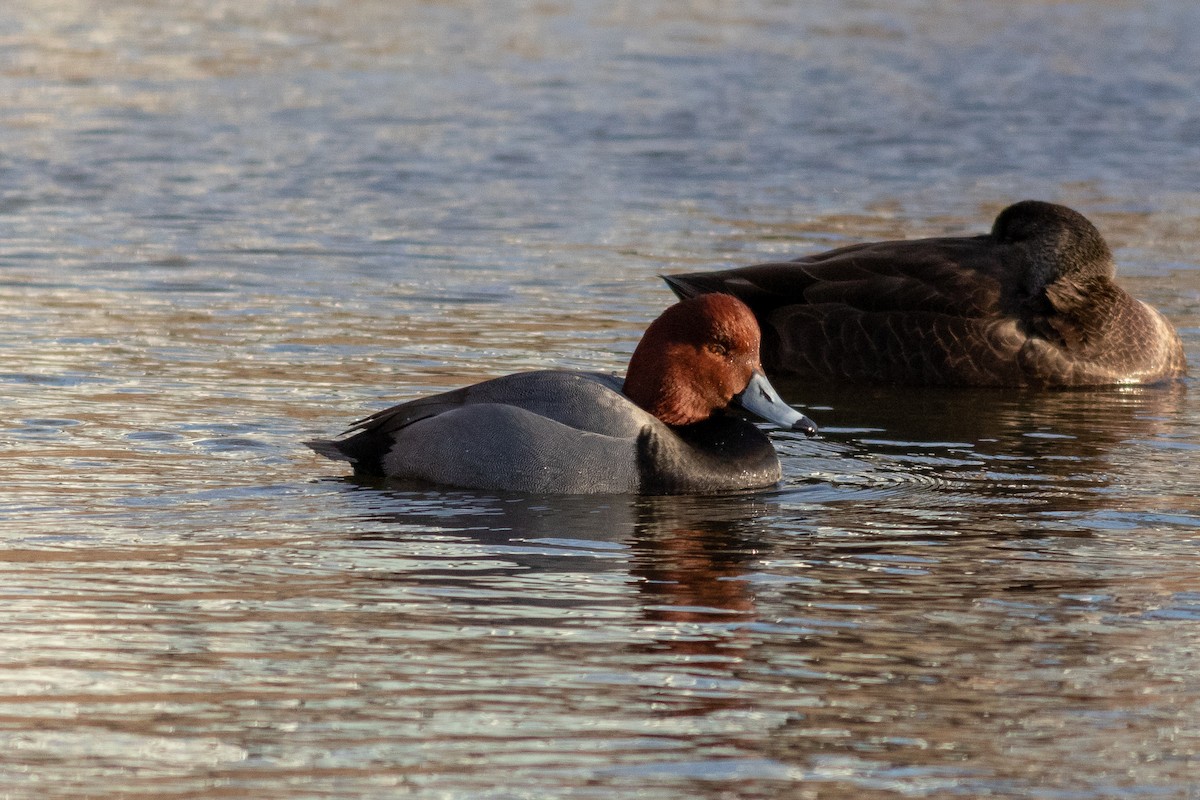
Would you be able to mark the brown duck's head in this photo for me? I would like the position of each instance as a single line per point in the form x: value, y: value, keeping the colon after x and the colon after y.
x: 1053, y: 242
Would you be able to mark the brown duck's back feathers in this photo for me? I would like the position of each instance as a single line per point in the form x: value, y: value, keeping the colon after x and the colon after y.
x: 1031, y: 304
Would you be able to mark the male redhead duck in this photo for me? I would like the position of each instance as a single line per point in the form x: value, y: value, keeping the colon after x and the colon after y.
x: 663, y: 430
x: 1033, y: 303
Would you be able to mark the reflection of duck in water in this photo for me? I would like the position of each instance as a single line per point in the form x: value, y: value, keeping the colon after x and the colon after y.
x: 671, y: 559
x: 664, y: 430
x: 1089, y: 422
x: 998, y: 461
x: 690, y: 559
x: 1033, y: 303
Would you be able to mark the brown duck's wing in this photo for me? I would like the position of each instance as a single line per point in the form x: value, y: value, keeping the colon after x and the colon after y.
x: 925, y: 311
x: 842, y: 343
x: 960, y: 276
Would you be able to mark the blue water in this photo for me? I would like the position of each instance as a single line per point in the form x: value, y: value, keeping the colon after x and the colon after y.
x: 228, y: 228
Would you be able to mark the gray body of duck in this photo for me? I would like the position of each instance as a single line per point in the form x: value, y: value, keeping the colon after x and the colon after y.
x: 555, y: 432
x: 669, y: 427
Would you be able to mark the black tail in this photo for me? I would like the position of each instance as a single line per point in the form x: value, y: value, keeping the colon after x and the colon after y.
x: 365, y: 451
x: 683, y: 286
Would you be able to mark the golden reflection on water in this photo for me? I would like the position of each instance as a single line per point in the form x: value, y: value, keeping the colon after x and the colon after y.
x: 944, y: 579
x: 886, y: 650
x: 230, y: 228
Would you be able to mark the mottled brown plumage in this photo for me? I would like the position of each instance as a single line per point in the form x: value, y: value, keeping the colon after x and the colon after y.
x: 1033, y: 303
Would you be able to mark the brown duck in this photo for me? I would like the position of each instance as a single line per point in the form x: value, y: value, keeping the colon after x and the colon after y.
x: 1033, y: 303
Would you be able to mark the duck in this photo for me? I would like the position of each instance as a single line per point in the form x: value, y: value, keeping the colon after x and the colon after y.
x: 1032, y: 303
x: 671, y: 426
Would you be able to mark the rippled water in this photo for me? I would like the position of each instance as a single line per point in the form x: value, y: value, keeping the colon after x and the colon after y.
x: 229, y: 227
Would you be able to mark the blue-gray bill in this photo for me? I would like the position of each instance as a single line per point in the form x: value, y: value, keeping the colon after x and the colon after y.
x: 760, y: 398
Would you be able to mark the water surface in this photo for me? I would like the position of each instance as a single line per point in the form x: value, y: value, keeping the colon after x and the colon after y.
x: 228, y: 228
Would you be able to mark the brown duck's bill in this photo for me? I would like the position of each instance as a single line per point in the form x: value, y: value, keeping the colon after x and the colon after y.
x: 760, y: 398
